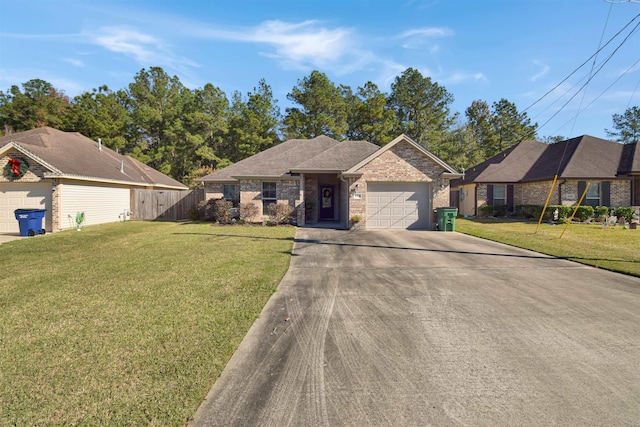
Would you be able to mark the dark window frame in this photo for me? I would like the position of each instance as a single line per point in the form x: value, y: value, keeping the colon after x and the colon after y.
x: 502, y: 199
x: 269, y: 195
x: 226, y: 189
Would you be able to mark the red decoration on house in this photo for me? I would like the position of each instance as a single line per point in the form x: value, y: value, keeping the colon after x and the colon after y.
x: 15, y: 165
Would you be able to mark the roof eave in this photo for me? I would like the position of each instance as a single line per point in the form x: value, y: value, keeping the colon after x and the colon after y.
x: 223, y: 180
x: 285, y: 177
x: 21, y: 149
x: 48, y: 175
x: 317, y: 170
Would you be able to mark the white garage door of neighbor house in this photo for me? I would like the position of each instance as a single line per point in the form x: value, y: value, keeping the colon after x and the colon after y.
x: 398, y: 205
x: 23, y: 196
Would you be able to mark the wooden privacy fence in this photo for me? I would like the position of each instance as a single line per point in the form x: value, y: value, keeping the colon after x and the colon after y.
x: 167, y: 205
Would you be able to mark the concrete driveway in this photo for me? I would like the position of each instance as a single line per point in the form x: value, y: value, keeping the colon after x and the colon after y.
x: 427, y: 328
x: 4, y: 238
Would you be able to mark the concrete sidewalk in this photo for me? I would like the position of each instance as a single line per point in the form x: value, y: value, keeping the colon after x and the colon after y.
x: 400, y: 328
x: 4, y: 238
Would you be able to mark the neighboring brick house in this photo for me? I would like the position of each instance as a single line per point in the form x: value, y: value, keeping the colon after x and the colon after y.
x: 395, y: 186
x: 524, y: 173
x: 70, y: 173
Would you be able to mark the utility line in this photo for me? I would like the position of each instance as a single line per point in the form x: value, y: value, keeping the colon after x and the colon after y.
x: 634, y: 92
x: 582, y: 65
x: 590, y: 78
x: 593, y: 65
x: 627, y: 71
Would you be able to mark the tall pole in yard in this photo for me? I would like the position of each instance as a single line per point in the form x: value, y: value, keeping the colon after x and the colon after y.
x: 575, y: 210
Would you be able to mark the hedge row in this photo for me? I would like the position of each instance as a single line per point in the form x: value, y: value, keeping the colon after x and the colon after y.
x: 583, y: 213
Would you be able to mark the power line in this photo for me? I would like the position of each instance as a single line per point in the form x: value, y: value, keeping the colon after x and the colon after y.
x: 593, y: 65
x: 627, y: 71
x: 591, y: 77
x: 633, y: 93
x: 582, y: 65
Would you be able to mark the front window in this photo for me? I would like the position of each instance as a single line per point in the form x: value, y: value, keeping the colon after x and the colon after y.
x: 499, y: 195
x: 229, y: 192
x: 593, y: 195
x: 268, y: 196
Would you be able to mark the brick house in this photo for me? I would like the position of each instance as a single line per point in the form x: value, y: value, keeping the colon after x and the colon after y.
x: 523, y: 175
x: 395, y: 186
x: 69, y: 173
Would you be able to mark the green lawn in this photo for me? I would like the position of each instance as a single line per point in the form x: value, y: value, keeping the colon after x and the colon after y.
x: 613, y: 249
x: 128, y: 323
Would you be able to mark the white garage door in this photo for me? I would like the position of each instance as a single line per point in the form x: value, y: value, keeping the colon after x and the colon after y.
x: 23, y: 196
x: 398, y: 205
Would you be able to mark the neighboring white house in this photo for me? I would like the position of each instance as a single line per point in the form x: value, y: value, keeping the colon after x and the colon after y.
x: 67, y: 173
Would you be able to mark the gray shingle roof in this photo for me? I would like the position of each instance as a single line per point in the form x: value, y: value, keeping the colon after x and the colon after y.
x: 319, y: 153
x: 583, y: 157
x: 72, y: 154
x: 340, y: 157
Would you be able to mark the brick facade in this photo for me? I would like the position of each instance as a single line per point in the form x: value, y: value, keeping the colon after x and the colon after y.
x: 287, y: 192
x: 401, y: 163
x: 565, y: 193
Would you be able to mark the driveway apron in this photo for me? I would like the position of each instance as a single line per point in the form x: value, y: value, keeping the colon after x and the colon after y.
x: 432, y: 328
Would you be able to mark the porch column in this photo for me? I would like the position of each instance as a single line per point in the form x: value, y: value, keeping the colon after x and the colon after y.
x: 301, y: 209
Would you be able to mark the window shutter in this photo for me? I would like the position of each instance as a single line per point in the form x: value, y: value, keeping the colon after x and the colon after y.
x: 581, y: 186
x: 510, y: 197
x: 606, y: 193
x: 490, y: 194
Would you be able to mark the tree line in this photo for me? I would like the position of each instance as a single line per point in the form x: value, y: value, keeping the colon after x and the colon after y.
x: 189, y: 133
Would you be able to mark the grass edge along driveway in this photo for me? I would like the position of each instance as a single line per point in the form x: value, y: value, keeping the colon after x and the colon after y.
x: 614, y: 249
x: 128, y: 323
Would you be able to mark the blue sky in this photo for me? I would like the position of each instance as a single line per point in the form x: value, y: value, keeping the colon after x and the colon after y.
x: 478, y: 50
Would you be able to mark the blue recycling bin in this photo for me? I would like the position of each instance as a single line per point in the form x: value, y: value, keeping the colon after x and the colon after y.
x: 30, y: 221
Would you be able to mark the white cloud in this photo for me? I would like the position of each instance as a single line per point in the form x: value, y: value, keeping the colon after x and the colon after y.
x: 129, y: 42
x: 144, y: 48
x: 295, y: 44
x: 76, y: 62
x: 421, y: 38
x: 544, y: 70
x: 431, y: 32
x: 463, y: 77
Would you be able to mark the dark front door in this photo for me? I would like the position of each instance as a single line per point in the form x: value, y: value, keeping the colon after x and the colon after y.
x: 327, y: 200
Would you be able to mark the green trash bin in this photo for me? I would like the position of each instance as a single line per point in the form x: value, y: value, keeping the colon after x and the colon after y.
x: 447, y: 218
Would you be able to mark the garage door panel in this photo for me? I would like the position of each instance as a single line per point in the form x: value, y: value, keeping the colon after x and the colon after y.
x: 23, y: 196
x: 398, y: 205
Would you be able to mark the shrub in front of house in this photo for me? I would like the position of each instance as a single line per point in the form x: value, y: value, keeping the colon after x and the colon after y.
x: 601, y: 212
x: 222, y: 211
x: 500, y: 210
x: 279, y: 213
x: 621, y: 211
x: 529, y: 211
x: 249, y: 212
x: 584, y: 213
x: 485, y: 211
x: 206, y: 211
